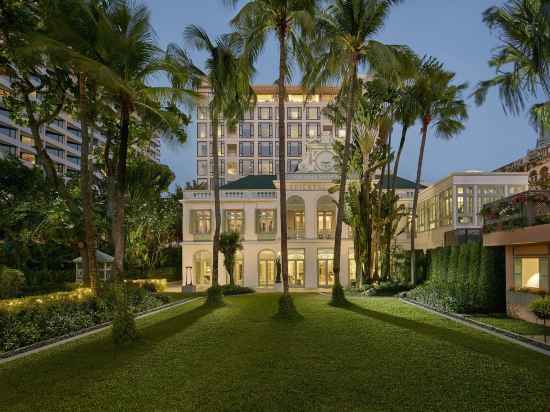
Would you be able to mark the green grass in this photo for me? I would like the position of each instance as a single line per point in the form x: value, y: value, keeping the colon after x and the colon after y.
x: 518, y: 326
x: 378, y: 354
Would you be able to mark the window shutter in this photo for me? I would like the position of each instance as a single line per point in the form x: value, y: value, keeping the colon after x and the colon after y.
x: 517, y: 273
x: 258, y: 220
x: 544, y: 276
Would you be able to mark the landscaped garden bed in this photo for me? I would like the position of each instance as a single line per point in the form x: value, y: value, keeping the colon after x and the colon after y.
x: 27, y: 321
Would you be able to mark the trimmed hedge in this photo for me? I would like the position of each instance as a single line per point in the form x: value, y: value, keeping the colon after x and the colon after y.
x: 468, y: 278
x: 30, y: 320
x: 403, y: 266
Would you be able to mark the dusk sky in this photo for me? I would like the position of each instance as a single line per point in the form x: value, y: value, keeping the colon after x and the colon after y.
x: 450, y: 30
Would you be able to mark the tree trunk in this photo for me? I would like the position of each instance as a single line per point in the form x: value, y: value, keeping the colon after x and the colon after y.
x: 90, y: 242
x: 425, y: 123
x: 344, y: 177
x: 398, y: 157
x: 119, y: 198
x: 282, y: 159
x: 365, y: 206
x: 217, y: 212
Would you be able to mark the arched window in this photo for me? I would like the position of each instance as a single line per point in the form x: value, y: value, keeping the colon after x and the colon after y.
x: 266, y: 268
x: 202, y: 267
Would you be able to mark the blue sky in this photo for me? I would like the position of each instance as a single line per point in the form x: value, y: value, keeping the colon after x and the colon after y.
x: 447, y: 29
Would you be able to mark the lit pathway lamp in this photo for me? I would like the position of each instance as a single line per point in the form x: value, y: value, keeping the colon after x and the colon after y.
x: 188, y: 286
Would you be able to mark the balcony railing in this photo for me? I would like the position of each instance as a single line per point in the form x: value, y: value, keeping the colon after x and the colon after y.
x: 520, y: 210
x: 325, y: 234
x: 296, y: 234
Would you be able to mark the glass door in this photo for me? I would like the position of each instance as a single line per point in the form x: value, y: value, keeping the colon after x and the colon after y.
x: 266, y: 269
x: 325, y: 268
x: 296, y: 264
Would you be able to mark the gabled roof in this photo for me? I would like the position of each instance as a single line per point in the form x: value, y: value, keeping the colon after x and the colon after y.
x: 400, y: 183
x: 252, y: 182
x: 100, y: 256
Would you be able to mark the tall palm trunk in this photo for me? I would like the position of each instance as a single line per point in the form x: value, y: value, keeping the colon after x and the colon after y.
x: 425, y: 123
x: 86, y: 188
x: 282, y: 157
x: 344, y: 177
x: 119, y: 204
x: 398, y: 157
x: 394, y: 204
x: 217, y: 212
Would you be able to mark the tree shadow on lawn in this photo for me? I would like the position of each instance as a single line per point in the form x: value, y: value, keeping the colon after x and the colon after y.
x: 101, y: 353
x: 505, y: 352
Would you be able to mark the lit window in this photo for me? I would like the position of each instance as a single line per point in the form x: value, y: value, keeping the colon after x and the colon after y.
x: 465, y: 204
x: 294, y: 113
x: 296, y: 268
x: 296, y: 98
x: 234, y: 221
x: 264, y: 113
x: 265, y: 167
x: 201, y: 131
x: 264, y: 98
x: 232, y: 168
x: 313, y: 130
x: 29, y: 141
x: 201, y: 222
x: 294, y: 130
x: 265, y: 130
x: 531, y: 273
x: 246, y: 167
x: 202, y: 113
x: 313, y: 113
x: 265, y: 221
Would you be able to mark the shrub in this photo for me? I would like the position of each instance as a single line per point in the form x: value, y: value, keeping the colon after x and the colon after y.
x: 11, y: 282
x: 214, y: 296
x: 124, y: 325
x: 228, y: 290
x: 287, y: 310
x: 541, y: 308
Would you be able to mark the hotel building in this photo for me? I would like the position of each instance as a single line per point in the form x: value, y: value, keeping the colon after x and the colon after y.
x: 61, y: 138
x: 252, y: 148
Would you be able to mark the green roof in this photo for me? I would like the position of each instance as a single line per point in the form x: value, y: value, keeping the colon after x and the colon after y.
x: 400, y: 183
x: 252, y: 182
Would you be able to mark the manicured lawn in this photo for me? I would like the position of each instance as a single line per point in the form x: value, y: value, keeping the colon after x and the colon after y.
x: 379, y: 355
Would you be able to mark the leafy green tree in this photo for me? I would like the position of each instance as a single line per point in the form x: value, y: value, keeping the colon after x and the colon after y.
x: 287, y: 20
x: 441, y: 106
x: 228, y: 76
x: 230, y: 244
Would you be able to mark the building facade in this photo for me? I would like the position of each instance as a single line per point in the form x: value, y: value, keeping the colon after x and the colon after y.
x: 61, y: 138
x: 449, y: 210
x: 252, y: 147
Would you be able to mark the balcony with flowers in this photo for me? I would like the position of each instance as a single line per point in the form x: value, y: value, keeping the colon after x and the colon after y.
x: 525, y: 214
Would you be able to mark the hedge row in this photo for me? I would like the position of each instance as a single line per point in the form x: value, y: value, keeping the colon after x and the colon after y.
x: 466, y: 279
x: 30, y: 320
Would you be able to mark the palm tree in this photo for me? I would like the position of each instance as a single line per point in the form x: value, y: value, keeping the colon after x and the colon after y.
x: 128, y: 58
x: 345, y: 33
x: 288, y: 20
x: 228, y: 76
x: 440, y: 104
x: 230, y: 243
x: 522, y: 61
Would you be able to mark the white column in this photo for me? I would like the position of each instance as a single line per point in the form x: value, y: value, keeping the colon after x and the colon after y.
x: 311, y: 267
x: 310, y: 211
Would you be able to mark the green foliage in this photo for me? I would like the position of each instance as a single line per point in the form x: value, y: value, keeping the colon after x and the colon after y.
x: 229, y: 290
x: 230, y: 243
x: 403, y: 266
x: 25, y: 321
x: 124, y: 325
x: 11, y: 282
x: 466, y: 278
x: 541, y: 308
x: 214, y: 296
x: 338, y: 297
